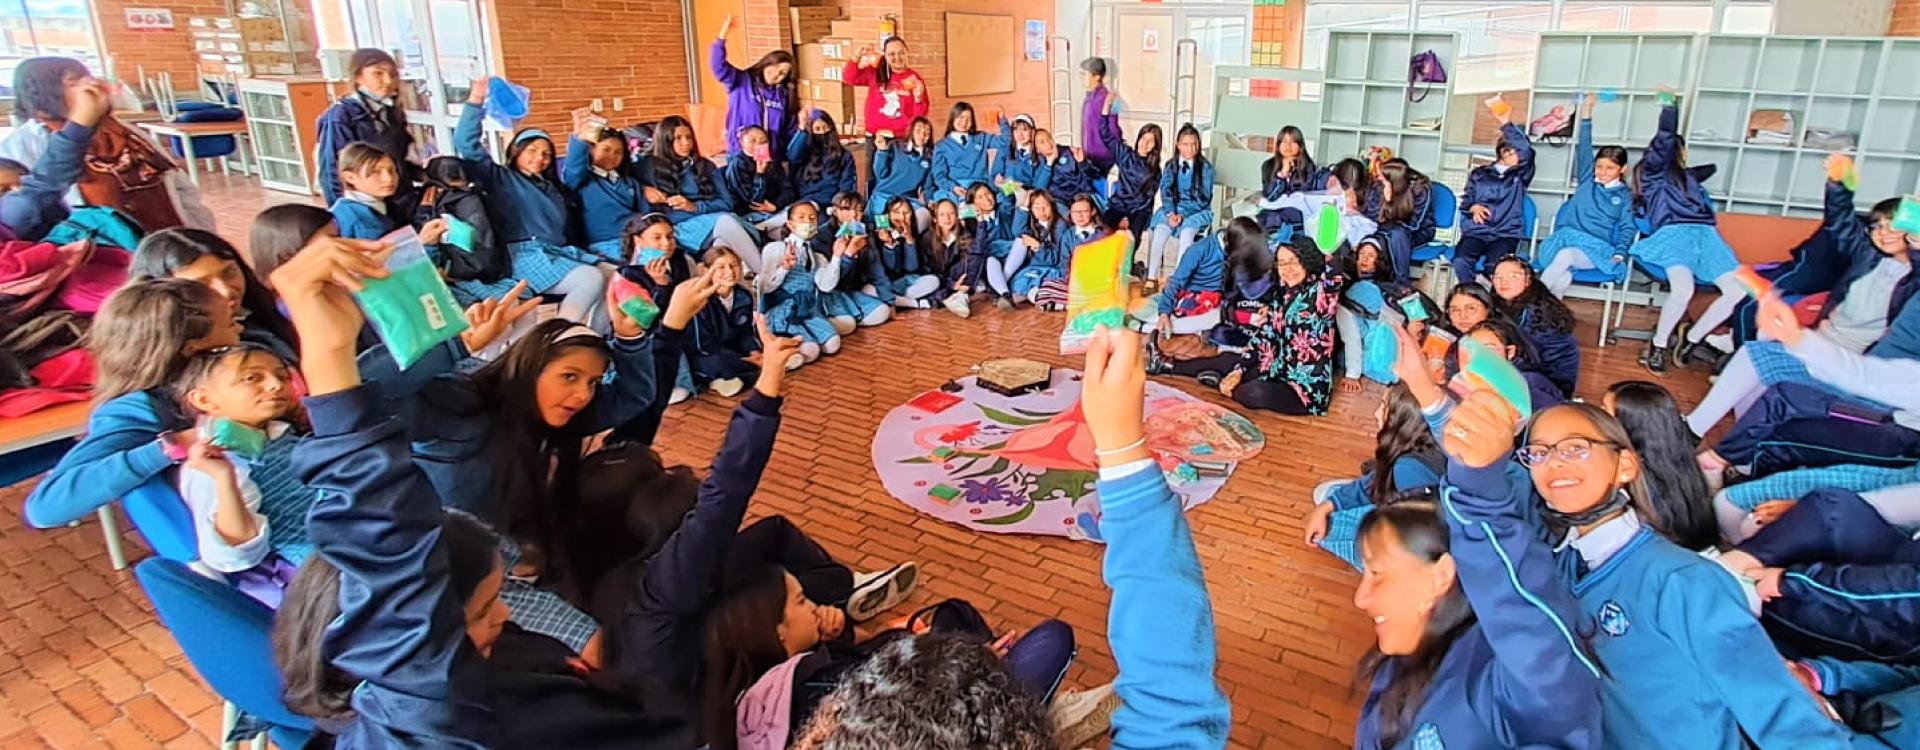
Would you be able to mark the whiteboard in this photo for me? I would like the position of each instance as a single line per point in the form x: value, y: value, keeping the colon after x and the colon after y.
x: 980, y: 54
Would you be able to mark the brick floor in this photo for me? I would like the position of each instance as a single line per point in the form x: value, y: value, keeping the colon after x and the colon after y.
x: 84, y: 664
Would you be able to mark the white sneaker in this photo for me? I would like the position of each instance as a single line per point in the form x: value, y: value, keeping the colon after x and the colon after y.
x: 794, y: 361
x: 1082, y: 716
x: 679, y: 395
x: 957, y: 304
x: 879, y: 591
x: 1721, y: 341
x: 728, y: 387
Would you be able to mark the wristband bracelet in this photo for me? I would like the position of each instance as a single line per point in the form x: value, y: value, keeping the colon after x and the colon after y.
x: 1123, y: 449
x: 173, y: 451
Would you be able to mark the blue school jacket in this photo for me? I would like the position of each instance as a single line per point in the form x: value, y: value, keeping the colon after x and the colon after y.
x: 1203, y: 268
x: 900, y: 258
x: 1024, y: 166
x: 1504, y: 193
x: 1131, y: 194
x: 957, y: 164
x: 900, y: 171
x: 1604, y: 213
x: 1186, y: 189
x: 1409, y: 473
x: 1663, y: 200
x: 1053, y: 251
x: 1518, y: 677
x: 1850, y: 237
x: 722, y: 336
x: 522, y: 207
x: 1558, y: 351
x: 833, y: 179
x: 749, y: 185
x: 359, y: 221
x: 349, y: 119
x: 1070, y: 177
x: 695, y: 179
x: 995, y: 232
x: 1160, y: 620
x: 606, y: 200
x: 40, y: 203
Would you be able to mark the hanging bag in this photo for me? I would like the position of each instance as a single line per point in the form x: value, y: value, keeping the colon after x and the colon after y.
x: 1423, y: 71
x: 1552, y: 128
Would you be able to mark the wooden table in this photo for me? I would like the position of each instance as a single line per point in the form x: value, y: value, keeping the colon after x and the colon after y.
x: 59, y: 423
x: 187, y: 131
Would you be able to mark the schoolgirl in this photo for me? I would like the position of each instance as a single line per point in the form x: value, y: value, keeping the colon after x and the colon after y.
x: 764, y: 95
x: 203, y: 257
x: 758, y: 183
x: 1370, y: 282
x: 36, y: 201
x: 1019, y: 160
x: 596, y: 170
x: 850, y: 273
x: 530, y: 209
x: 697, y: 200
x: 792, y: 293
x: 1683, y: 241
x: 1595, y: 227
x: 822, y: 168
x: 1492, y: 212
x: 368, y: 177
x: 1468, y: 305
x: 1041, y: 250
x: 955, y: 256
x: 279, y: 232
x: 1499, y: 335
x: 370, y: 114
x: 1071, y: 175
x: 1190, y: 301
x: 1287, y: 362
x: 1405, y: 216
x: 912, y: 280
x: 725, y: 348
x: 473, y: 273
x: 960, y: 159
x: 904, y: 169
x: 993, y: 224
x: 1541, y: 317
x: 1131, y: 205
x: 1186, y: 194
x: 1404, y: 445
x: 1290, y: 170
x: 659, y: 267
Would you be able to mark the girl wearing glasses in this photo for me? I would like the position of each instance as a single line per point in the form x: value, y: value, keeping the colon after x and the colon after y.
x: 1287, y: 363
x: 1687, y: 665
x: 1541, y: 317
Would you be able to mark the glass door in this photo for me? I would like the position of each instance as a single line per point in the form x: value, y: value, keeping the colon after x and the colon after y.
x: 438, y: 58
x: 1145, y: 43
x: 1220, y: 38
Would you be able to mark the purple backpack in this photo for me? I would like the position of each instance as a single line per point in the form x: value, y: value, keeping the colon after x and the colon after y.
x: 1424, y: 68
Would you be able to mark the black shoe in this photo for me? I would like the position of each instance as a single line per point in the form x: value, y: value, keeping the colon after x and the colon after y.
x: 1210, y: 379
x: 1681, y: 346
x: 1156, y: 363
x: 1702, y: 353
x: 1139, y: 270
x: 1656, y: 362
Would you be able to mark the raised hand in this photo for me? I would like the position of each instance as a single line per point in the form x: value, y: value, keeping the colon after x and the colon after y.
x: 1587, y: 105
x: 87, y: 101
x: 477, y: 92
x: 321, y: 278
x: 726, y: 25
x: 489, y: 319
x: 1480, y: 432
x: 688, y: 299
x: 1113, y: 396
x: 774, y: 353
x: 1777, y: 321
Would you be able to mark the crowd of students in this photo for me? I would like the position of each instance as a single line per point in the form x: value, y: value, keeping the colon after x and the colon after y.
x: 482, y: 549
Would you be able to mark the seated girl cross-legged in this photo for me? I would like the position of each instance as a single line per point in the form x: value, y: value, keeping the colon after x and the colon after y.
x: 1407, y: 465
x: 694, y: 193
x: 791, y: 290
x: 912, y: 282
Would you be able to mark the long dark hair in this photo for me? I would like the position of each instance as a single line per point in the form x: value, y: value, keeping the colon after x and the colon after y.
x: 165, y: 252
x: 1475, y: 290
x: 1246, y: 260
x: 826, y: 155
x: 524, y: 139
x: 1613, y: 432
x: 280, y: 231
x: 1678, y: 492
x: 1193, y: 188
x: 626, y: 503
x: 1303, y: 169
x: 1676, y: 172
x: 953, y: 115
x: 40, y: 85
x: 1152, y: 158
x: 1524, y: 357
x: 907, y: 235
x: 742, y: 642
x: 521, y: 442
x: 1352, y: 174
x: 1549, y: 314
x: 312, y: 687
x: 757, y: 74
x: 1424, y: 535
x: 884, y: 68
x: 667, y: 165
x: 935, y: 246
x: 1405, y: 182
x: 1403, y: 433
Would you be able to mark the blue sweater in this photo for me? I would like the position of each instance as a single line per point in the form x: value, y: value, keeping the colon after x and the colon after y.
x: 1558, y: 351
x: 897, y: 171
x: 1131, y: 194
x: 748, y: 185
x: 605, y: 202
x: 1517, y: 678
x: 1160, y: 622
x: 1186, y: 189
x: 1604, y: 213
x: 523, y: 208
x: 40, y: 203
x: 1409, y: 473
x: 1070, y: 177
x: 1028, y: 168
x: 1203, y: 268
x: 695, y: 179
x: 833, y: 179
x: 359, y: 221
x: 959, y: 165
x: 1503, y: 193
x: 1664, y: 199
x: 349, y: 120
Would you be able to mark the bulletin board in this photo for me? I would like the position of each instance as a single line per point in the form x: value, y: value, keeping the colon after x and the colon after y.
x: 980, y: 54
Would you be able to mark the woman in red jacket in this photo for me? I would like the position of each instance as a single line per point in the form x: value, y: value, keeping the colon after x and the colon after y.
x: 896, y: 94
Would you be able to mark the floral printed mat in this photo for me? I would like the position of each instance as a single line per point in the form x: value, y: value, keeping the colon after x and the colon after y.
x: 1025, y: 465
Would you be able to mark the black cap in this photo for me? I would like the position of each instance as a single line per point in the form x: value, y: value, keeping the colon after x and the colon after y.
x: 1095, y: 66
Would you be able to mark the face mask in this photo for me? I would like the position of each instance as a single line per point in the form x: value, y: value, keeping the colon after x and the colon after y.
x: 803, y: 231
x: 1499, y: 168
x: 1613, y: 504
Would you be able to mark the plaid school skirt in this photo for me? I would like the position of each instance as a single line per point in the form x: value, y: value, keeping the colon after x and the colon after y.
x: 539, y: 264
x: 1699, y: 247
x: 1569, y: 239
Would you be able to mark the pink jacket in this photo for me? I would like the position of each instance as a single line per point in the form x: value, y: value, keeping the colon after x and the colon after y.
x: 764, y: 713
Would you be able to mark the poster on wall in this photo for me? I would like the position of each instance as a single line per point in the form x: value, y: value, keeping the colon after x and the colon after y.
x: 1036, y: 39
x: 149, y: 19
x: 1150, y: 41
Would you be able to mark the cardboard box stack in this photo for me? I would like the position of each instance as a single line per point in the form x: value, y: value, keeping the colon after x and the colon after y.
x: 820, y: 60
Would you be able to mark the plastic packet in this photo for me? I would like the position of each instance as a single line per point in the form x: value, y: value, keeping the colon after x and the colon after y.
x: 851, y: 229
x: 411, y: 308
x: 647, y: 255
x: 633, y: 299
x: 967, y: 211
x: 882, y: 222
x: 1906, y: 218
x: 1096, y: 290
x: 1009, y: 187
x: 233, y: 437
x: 1498, y: 105
x: 1842, y: 170
x: 1481, y: 368
x: 460, y: 234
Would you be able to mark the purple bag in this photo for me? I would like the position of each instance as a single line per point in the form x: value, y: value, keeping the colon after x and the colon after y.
x: 1425, y: 68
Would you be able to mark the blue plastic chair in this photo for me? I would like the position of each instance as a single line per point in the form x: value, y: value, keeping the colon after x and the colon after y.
x: 1446, y: 210
x: 207, y: 146
x: 227, y: 637
x: 163, y: 520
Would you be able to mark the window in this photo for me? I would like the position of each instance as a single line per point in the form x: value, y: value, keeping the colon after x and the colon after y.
x: 438, y: 59
x: 35, y: 28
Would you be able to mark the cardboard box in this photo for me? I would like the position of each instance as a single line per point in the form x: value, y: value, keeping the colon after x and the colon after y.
x: 826, y: 91
x: 863, y: 31
x: 820, y: 61
x: 842, y: 111
x: 810, y: 24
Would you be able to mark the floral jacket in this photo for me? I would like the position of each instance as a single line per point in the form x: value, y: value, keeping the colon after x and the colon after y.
x: 1290, y: 338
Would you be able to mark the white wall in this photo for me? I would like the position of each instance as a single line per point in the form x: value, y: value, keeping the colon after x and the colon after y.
x: 1832, y: 17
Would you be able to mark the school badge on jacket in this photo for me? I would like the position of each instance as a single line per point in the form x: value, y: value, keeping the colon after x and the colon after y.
x: 1427, y: 737
x: 1613, y: 619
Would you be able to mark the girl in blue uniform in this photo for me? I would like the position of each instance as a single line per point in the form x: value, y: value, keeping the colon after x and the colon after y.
x: 1289, y: 170
x: 1131, y: 205
x: 993, y: 225
x: 1492, y: 209
x: 476, y: 272
x: 849, y: 272
x: 530, y: 209
x: 368, y: 178
x: 596, y: 170
x: 1413, y: 463
x: 696, y: 198
x: 950, y: 247
x: 1541, y: 317
x: 1019, y: 161
x: 1186, y: 194
x: 1406, y: 213
x: 1070, y: 175
x: 820, y: 167
x: 1675, y: 486
x: 1594, y: 227
x: 791, y: 294
x: 759, y: 184
x: 1683, y: 241
x: 960, y: 159
x: 1476, y: 627
x: 912, y: 281
x: 1040, y: 252
x: 1190, y: 301
x: 904, y: 168
x: 1370, y: 281
x: 725, y: 350
x: 1499, y: 335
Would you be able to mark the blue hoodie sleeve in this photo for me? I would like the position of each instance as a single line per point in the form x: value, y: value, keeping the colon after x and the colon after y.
x: 1844, y: 224
x: 1160, y: 622
x: 740, y: 178
x: 1866, y: 678
x: 633, y: 386
x: 1517, y: 139
x: 40, y: 203
x: 1665, y: 145
x: 401, y: 633
x: 577, y: 168
x: 1183, y: 273
x: 1583, y: 153
x: 797, y: 147
x: 120, y: 452
x: 1352, y: 493
x: 1546, y: 688
x: 471, y: 150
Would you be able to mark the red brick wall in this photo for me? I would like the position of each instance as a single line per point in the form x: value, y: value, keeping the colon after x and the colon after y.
x: 594, y: 49
x: 1906, y: 18
x: 156, y: 51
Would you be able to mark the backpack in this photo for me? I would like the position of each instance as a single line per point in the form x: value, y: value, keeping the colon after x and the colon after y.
x: 32, y: 272
x: 1554, y: 127
x: 98, y: 224
x: 45, y: 336
x: 1424, y: 68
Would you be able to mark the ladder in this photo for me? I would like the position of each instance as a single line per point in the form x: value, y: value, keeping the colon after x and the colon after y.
x: 1186, y: 72
x: 1060, y: 89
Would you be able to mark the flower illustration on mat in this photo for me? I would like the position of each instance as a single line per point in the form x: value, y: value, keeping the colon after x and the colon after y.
x: 935, y: 436
x: 991, y: 490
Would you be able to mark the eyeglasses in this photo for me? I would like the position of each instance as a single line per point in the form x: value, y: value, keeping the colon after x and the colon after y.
x: 1286, y: 264
x: 1885, y: 227
x: 1570, y: 450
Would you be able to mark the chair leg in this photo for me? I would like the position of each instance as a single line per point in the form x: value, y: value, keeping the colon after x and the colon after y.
x: 1606, y: 313
x: 110, y: 529
x: 229, y: 718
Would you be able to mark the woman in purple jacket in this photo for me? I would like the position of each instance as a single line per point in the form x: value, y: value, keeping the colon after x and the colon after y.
x: 762, y: 95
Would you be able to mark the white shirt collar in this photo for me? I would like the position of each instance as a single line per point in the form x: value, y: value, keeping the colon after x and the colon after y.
x: 1600, y: 545
x: 378, y: 206
x: 606, y: 174
x: 959, y: 136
